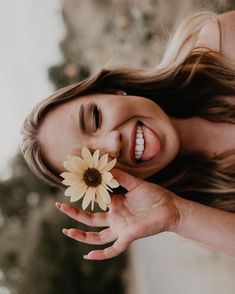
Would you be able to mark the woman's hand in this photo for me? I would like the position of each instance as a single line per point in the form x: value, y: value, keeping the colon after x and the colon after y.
x: 146, y: 209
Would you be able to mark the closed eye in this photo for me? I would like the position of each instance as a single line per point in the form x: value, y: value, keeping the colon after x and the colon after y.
x: 96, y: 116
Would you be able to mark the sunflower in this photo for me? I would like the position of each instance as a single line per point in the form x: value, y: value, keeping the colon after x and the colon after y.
x: 89, y: 177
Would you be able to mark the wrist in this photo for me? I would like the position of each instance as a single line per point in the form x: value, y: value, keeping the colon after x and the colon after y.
x: 183, y: 208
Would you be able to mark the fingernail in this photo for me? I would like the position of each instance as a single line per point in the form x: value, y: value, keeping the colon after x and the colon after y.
x: 58, y: 204
x: 85, y: 256
x: 65, y: 231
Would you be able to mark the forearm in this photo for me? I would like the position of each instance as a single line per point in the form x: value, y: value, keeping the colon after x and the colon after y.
x: 212, y: 227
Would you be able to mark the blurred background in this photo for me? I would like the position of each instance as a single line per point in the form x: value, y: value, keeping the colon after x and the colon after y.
x: 49, y: 44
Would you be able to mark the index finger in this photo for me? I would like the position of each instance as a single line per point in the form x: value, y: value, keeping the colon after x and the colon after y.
x: 98, y: 219
x: 126, y: 180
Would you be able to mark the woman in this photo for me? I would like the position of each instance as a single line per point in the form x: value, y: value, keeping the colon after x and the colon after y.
x: 184, y: 109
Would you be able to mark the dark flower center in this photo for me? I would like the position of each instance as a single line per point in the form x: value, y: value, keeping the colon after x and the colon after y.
x: 92, y: 177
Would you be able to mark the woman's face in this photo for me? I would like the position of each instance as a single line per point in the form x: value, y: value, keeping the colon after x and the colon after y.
x: 110, y: 122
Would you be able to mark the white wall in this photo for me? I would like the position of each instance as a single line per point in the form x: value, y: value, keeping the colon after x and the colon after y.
x: 30, y: 31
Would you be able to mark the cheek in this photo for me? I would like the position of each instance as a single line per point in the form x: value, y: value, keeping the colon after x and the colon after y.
x: 123, y: 106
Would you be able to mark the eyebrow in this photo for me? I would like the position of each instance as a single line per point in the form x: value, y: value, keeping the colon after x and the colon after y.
x: 81, y: 119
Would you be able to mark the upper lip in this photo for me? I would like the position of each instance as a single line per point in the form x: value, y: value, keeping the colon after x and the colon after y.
x: 133, y: 139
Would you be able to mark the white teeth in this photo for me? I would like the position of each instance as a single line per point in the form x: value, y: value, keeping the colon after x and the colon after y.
x: 139, y: 143
x: 139, y: 147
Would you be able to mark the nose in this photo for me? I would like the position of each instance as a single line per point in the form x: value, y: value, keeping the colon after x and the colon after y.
x: 110, y: 143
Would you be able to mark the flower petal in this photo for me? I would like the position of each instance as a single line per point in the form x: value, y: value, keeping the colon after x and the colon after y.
x: 106, y: 187
x: 106, y: 177
x: 70, y: 166
x: 103, y: 161
x: 79, y: 193
x: 87, y: 198
x: 108, y: 166
x: 78, y: 163
x: 67, y: 166
x: 113, y: 183
x: 93, y: 198
x: 69, y: 176
x: 104, y: 194
x: 101, y: 203
x: 71, y: 191
x: 86, y: 154
x: 95, y: 158
x: 69, y: 182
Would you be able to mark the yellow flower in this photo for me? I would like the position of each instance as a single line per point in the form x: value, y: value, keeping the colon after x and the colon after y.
x: 89, y: 177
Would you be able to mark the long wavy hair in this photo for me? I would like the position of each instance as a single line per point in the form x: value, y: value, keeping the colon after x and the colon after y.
x: 188, y: 82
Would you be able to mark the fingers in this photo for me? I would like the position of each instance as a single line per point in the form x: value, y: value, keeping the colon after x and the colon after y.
x: 98, y: 219
x: 126, y: 180
x: 96, y: 238
x: 117, y: 248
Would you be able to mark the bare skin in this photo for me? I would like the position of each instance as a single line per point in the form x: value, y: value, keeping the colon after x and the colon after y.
x: 129, y: 218
x: 198, y: 135
x: 118, y: 118
x: 148, y: 209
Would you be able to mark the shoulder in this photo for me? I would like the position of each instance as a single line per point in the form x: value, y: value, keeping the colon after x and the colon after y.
x: 219, y: 34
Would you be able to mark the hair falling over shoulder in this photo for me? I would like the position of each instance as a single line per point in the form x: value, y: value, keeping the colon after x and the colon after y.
x: 188, y: 82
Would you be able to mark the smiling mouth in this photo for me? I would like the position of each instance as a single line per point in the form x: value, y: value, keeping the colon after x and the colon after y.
x: 139, y: 142
x: 145, y: 143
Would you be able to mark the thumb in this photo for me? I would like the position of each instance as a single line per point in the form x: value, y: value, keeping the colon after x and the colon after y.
x: 126, y: 180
